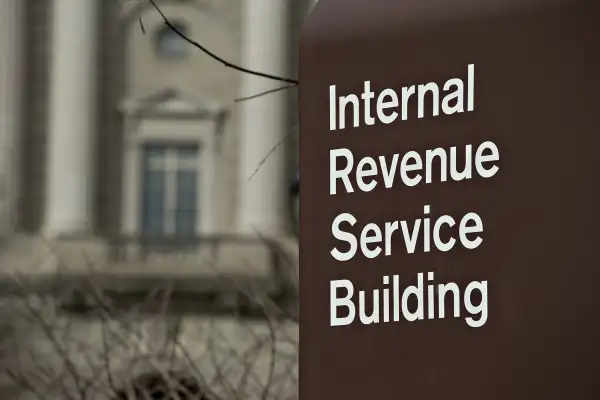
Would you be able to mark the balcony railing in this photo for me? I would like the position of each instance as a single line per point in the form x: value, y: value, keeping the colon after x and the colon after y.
x: 205, y: 263
x: 199, y: 272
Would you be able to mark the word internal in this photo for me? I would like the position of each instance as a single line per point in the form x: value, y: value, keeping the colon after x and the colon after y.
x: 388, y: 101
x: 390, y: 303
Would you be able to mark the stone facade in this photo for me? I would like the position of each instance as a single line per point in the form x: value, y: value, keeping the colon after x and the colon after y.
x: 85, y: 89
x: 127, y: 67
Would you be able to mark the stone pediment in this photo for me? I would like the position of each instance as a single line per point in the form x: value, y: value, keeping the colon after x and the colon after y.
x: 170, y: 101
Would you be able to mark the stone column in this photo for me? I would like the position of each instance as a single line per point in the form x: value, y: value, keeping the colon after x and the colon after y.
x: 264, y: 120
x: 11, y: 65
x: 72, y: 117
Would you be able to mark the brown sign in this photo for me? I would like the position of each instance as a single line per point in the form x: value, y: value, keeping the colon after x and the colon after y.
x: 449, y: 200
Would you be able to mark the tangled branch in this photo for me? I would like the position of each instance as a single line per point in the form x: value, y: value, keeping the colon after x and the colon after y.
x: 146, y: 350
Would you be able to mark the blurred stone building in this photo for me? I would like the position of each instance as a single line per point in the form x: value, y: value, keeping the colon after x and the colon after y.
x: 112, y: 125
x: 113, y: 129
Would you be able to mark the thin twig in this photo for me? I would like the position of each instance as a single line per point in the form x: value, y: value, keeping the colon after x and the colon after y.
x: 141, y: 24
x: 239, y: 100
x: 266, y: 157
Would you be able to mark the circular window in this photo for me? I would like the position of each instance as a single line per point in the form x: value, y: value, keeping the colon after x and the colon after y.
x: 169, y: 44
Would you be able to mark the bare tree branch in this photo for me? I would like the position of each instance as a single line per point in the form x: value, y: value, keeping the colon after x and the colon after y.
x: 216, y: 57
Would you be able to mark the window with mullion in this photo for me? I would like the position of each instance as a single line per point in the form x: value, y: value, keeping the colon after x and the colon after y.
x: 170, y: 190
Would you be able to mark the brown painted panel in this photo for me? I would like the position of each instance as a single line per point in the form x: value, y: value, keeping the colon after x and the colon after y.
x: 533, y: 89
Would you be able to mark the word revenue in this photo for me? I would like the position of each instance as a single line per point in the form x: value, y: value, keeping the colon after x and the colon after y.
x: 411, y: 168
